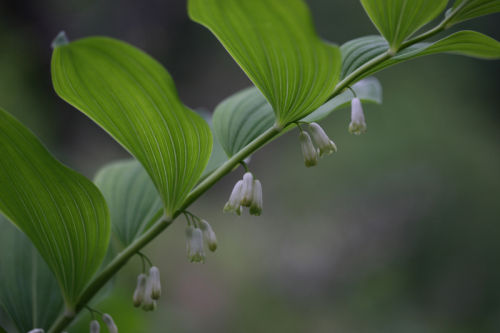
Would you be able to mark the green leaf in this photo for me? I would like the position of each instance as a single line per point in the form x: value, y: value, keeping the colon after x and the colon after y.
x: 218, y: 156
x: 132, y: 198
x: 241, y: 118
x: 62, y: 212
x: 357, y: 52
x: 467, y: 43
x: 399, y: 19
x: 474, y: 8
x: 134, y: 99
x: 276, y: 44
x: 29, y: 292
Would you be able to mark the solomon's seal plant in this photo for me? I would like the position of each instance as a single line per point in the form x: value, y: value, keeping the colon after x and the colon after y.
x: 64, y: 222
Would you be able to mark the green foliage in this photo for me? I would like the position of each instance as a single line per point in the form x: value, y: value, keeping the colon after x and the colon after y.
x: 399, y: 19
x: 133, y: 98
x: 468, y: 43
x: 29, y: 292
x: 218, y: 156
x: 241, y: 118
x: 62, y: 212
x: 276, y: 45
x: 474, y: 8
x: 132, y: 199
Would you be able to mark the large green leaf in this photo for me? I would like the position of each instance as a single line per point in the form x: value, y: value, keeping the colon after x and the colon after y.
x: 474, y: 8
x: 244, y: 116
x: 62, y: 212
x: 469, y: 43
x: 132, y: 198
x: 399, y: 19
x: 275, y: 43
x: 133, y: 98
x: 29, y: 292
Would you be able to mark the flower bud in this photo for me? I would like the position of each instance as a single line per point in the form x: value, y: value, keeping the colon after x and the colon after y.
x: 247, y: 190
x: 256, y: 207
x: 139, y: 290
x: 358, y: 124
x: 326, y: 146
x: 149, y: 303
x: 233, y: 205
x: 197, y: 253
x: 94, y: 326
x: 154, y: 275
x: 37, y: 330
x: 209, y: 235
x: 110, y: 323
x: 310, y: 155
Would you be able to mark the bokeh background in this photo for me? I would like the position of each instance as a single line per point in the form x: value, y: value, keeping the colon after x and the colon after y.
x: 397, y: 232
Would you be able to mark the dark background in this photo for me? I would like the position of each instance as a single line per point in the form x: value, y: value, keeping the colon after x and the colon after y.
x: 397, y: 232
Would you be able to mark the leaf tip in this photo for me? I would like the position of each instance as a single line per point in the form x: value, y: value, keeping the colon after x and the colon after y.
x: 60, y: 40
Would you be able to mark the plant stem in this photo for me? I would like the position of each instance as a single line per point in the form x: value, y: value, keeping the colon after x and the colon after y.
x: 358, y: 72
x: 119, y: 261
x: 123, y: 257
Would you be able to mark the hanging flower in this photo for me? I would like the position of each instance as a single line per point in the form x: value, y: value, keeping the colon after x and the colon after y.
x: 310, y: 155
x: 94, y: 326
x: 197, y: 253
x: 110, y: 323
x: 149, y: 303
x: 247, y: 190
x: 358, y: 124
x: 209, y: 235
x: 140, y: 290
x: 256, y: 207
x: 234, y: 205
x: 326, y: 146
x: 154, y: 275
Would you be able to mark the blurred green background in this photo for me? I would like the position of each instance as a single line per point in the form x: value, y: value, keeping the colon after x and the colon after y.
x: 397, y: 232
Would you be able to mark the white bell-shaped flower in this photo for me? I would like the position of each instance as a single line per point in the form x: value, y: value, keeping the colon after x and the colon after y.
x: 94, y: 326
x: 310, y: 155
x: 209, y: 235
x: 256, y: 207
x: 154, y: 275
x: 326, y: 146
x: 247, y: 190
x: 197, y: 253
x: 149, y: 303
x: 110, y: 323
x: 358, y: 124
x: 140, y: 290
x: 234, y: 205
x: 37, y: 330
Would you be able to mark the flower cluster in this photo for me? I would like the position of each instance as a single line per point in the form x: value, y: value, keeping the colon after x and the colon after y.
x: 194, y: 241
x: 246, y: 193
x: 148, y: 290
x: 325, y: 145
